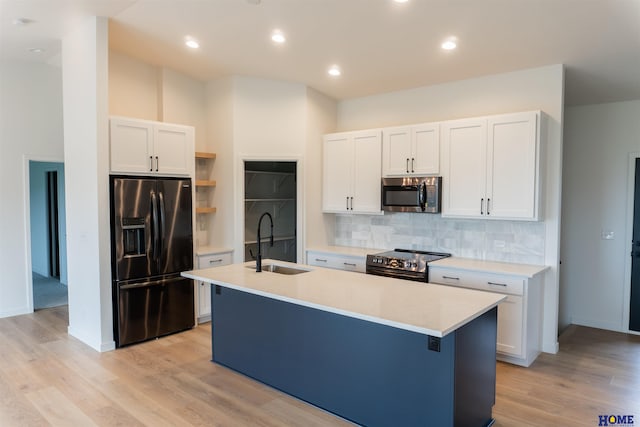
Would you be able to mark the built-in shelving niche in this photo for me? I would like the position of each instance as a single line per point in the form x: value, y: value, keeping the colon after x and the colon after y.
x: 270, y: 187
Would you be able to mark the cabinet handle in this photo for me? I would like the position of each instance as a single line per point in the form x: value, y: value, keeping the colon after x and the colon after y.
x: 482, y: 206
x: 213, y: 261
x: 348, y: 264
x: 351, y: 203
x: 347, y: 202
x: 407, y: 165
x: 150, y: 163
x: 450, y: 278
x: 497, y: 284
x: 412, y: 162
x: 320, y: 260
x: 157, y: 164
x: 488, y: 202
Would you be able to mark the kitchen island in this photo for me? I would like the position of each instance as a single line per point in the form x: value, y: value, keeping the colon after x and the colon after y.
x: 373, y: 350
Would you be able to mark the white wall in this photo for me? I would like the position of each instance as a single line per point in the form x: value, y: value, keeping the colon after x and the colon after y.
x: 261, y: 119
x: 184, y: 102
x: 30, y: 128
x: 219, y: 119
x: 598, y: 142
x: 86, y: 147
x: 321, y: 119
x: 533, y: 89
x: 133, y: 88
x: 39, y: 218
x: 269, y: 123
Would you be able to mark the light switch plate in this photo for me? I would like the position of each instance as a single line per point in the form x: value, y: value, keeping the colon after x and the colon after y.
x: 607, y: 235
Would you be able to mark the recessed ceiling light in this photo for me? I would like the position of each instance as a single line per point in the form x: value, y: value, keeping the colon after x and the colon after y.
x: 449, y: 44
x: 278, y: 37
x: 401, y: 1
x: 334, y: 71
x: 36, y: 50
x: 192, y: 43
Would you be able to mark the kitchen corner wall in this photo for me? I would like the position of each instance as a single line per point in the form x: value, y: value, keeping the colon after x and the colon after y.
x: 509, y: 241
x: 600, y: 141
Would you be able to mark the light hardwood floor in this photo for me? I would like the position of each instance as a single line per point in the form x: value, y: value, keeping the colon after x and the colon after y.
x: 50, y: 378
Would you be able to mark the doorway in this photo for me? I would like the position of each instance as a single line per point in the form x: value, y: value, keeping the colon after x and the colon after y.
x: 270, y: 187
x: 634, y: 306
x: 47, y: 229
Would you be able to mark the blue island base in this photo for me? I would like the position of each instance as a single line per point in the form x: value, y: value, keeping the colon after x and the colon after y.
x: 365, y: 372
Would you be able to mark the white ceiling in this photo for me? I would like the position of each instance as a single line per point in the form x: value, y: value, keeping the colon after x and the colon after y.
x: 380, y: 45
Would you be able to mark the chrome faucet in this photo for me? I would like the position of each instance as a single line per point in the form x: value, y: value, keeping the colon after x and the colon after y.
x: 259, y: 256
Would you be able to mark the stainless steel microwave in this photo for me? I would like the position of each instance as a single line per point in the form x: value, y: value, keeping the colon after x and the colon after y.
x: 412, y: 194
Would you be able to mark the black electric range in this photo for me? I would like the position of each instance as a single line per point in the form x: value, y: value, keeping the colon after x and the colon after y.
x: 403, y: 264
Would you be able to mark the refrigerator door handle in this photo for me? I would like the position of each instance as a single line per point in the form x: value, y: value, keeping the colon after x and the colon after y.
x: 150, y: 283
x: 161, y: 230
x: 155, y: 225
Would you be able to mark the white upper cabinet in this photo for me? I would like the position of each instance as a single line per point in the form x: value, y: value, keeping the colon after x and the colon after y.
x: 512, y: 175
x: 146, y: 147
x: 412, y: 150
x: 491, y: 167
x: 351, y: 172
x: 464, y: 153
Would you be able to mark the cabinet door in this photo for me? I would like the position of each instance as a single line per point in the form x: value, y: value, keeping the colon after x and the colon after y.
x: 425, y: 158
x: 512, y: 165
x: 367, y: 149
x: 464, y: 147
x: 173, y: 149
x: 204, y: 289
x: 510, y: 321
x: 337, y: 172
x: 131, y: 146
x: 396, y: 151
x: 204, y: 301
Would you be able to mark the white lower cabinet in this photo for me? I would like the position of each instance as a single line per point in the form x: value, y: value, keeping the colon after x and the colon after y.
x: 519, y: 316
x: 337, y: 261
x: 207, y: 260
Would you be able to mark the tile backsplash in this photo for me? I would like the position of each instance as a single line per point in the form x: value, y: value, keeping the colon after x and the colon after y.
x: 491, y: 240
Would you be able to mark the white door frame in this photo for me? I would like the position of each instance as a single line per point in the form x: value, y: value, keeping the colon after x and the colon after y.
x: 27, y: 218
x: 239, y: 202
x: 629, y: 232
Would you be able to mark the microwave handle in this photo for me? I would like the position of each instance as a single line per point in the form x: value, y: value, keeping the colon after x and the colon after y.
x: 422, y: 197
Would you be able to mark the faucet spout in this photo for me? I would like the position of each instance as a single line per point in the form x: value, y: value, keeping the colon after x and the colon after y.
x: 259, y: 256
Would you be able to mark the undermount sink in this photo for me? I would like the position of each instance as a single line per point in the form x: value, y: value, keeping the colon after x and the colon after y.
x: 280, y: 269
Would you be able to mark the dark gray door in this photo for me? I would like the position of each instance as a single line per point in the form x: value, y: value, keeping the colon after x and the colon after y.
x: 634, y: 309
x: 175, y: 222
x: 134, y: 228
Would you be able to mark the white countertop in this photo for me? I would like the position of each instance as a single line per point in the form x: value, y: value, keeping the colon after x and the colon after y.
x: 419, y: 307
x: 345, y: 250
x: 526, y: 270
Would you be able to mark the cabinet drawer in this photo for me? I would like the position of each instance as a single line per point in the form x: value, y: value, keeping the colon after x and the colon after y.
x: 214, y: 260
x: 477, y: 280
x: 339, y: 262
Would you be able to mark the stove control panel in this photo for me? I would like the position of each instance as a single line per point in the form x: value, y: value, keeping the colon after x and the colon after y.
x: 394, y: 262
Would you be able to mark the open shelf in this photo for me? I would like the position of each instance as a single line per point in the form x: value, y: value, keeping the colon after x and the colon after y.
x: 204, y: 155
x: 205, y: 210
x: 205, y: 183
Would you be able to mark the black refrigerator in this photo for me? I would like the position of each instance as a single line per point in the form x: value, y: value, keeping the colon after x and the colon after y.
x: 151, y: 243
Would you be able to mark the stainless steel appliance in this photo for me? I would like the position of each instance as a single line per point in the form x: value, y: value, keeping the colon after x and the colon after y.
x: 412, y: 194
x: 151, y: 243
x: 403, y: 264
